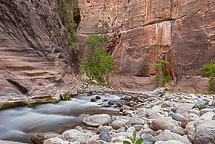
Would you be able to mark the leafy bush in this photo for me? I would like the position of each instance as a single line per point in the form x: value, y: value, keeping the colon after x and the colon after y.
x: 162, y: 73
x: 99, y: 63
x: 208, y: 70
x: 139, y: 141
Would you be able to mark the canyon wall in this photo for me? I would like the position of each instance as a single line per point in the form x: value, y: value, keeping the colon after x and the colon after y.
x: 36, y: 59
x: 142, y: 32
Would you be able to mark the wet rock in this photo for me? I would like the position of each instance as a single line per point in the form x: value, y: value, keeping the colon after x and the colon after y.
x: 104, y: 135
x: 111, y: 103
x: 128, y: 98
x: 41, y: 138
x: 97, y: 97
x: 55, y: 141
x: 93, y: 100
x: 205, y: 133
x: 165, y: 136
x: 75, y: 135
x: 97, y: 120
x: 89, y: 93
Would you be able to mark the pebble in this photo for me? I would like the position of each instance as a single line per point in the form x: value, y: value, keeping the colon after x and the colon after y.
x: 159, y: 117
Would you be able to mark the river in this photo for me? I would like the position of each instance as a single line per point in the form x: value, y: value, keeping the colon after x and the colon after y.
x: 20, y: 124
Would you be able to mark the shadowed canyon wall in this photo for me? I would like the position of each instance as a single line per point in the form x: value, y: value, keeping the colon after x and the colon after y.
x: 35, y: 55
x: 142, y: 32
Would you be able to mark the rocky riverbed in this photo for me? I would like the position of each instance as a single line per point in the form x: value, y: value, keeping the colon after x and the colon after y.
x: 159, y: 117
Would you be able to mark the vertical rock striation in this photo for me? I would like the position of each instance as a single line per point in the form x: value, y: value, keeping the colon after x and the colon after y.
x: 142, y: 32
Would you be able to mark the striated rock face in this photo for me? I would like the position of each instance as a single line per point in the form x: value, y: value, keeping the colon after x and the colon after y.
x: 35, y: 56
x: 142, y: 32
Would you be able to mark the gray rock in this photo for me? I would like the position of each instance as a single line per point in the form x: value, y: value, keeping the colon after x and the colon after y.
x: 148, y: 139
x: 116, y: 124
x: 164, y: 124
x: 93, y: 100
x: 184, y: 108
x: 178, y: 132
x: 75, y: 135
x: 40, y: 138
x: 104, y: 135
x: 93, y: 142
x: 177, y: 117
x: 97, y: 120
x: 159, y: 91
x: 55, y: 141
x: 165, y: 136
x: 205, y: 133
x: 169, y: 142
x: 174, y: 109
x: 122, y: 129
x: 208, y: 116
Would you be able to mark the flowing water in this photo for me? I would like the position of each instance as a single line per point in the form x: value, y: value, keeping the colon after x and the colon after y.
x: 20, y: 124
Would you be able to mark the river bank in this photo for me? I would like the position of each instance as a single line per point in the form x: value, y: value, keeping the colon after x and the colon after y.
x: 160, y: 116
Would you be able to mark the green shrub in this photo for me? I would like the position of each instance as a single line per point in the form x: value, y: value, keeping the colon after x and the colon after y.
x: 139, y: 141
x: 162, y: 74
x: 208, y: 70
x: 201, y: 106
x: 99, y: 63
x: 69, y: 11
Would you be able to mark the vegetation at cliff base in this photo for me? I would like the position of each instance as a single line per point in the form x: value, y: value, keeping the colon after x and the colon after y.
x: 99, y: 63
x: 208, y: 70
x: 162, y: 76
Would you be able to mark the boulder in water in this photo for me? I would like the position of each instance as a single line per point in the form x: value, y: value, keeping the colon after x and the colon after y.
x: 97, y: 120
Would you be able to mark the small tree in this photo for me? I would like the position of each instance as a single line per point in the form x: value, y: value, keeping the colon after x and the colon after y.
x: 208, y: 70
x: 162, y: 74
x: 99, y: 63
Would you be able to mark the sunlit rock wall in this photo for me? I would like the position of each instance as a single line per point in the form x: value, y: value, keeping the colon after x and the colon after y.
x: 144, y: 31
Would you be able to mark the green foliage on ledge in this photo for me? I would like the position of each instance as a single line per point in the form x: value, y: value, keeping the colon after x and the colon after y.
x: 162, y: 76
x: 99, y: 63
x: 208, y: 70
x: 70, y: 18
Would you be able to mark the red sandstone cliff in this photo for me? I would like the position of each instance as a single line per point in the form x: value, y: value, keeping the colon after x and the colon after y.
x: 145, y: 31
x: 35, y: 56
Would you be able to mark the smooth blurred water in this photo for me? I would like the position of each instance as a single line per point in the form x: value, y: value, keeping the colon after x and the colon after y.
x: 20, y: 124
